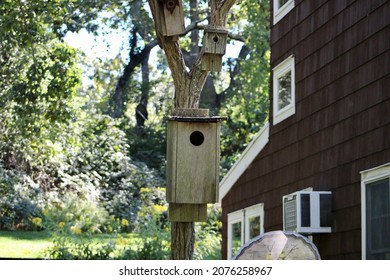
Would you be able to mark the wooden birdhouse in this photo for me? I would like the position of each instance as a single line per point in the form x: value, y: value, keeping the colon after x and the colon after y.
x: 170, y: 17
x: 193, y: 159
x: 214, y: 47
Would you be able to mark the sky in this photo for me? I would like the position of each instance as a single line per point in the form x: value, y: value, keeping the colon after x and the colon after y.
x: 105, y: 47
x: 109, y: 45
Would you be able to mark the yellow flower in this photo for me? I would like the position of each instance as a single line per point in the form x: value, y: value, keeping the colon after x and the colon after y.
x: 158, y: 209
x: 37, y: 221
x: 75, y: 230
x: 61, y: 224
x: 125, y: 222
x: 120, y: 241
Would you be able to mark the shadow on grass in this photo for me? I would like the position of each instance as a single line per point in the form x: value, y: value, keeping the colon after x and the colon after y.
x: 27, y: 235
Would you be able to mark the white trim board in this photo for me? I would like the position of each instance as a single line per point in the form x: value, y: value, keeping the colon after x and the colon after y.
x: 250, y: 153
x: 369, y: 176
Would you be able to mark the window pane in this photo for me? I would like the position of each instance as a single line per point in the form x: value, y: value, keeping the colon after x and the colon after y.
x: 378, y: 220
x: 236, y: 238
x: 284, y: 94
x: 254, y: 227
x: 282, y: 2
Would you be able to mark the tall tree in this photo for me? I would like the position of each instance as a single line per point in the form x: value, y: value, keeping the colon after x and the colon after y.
x: 188, y: 84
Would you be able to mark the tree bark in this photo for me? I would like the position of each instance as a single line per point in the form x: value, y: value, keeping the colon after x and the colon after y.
x: 182, y: 240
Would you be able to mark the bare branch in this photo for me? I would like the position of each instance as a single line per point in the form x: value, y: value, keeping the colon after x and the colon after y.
x: 237, y: 37
x: 194, y: 25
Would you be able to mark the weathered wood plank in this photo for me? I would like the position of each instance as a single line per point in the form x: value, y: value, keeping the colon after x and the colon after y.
x: 179, y: 212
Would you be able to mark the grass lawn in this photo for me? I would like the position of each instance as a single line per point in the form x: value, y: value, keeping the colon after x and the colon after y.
x: 18, y: 244
x: 24, y: 244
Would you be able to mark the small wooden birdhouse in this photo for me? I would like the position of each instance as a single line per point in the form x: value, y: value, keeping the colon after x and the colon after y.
x: 170, y: 17
x: 193, y: 159
x: 214, y: 47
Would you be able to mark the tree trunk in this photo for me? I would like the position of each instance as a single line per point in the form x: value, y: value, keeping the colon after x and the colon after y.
x: 182, y: 240
x: 188, y: 87
x: 141, y: 111
x: 136, y: 58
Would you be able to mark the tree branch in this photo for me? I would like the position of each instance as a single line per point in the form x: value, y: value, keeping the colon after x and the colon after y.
x: 236, y: 37
x: 225, y: 7
x: 135, y: 60
x: 194, y: 25
x: 171, y: 48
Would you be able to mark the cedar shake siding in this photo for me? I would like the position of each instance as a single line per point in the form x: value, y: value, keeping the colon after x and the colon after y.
x: 341, y: 124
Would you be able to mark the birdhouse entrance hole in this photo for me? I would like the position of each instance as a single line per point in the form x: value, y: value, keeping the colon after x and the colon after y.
x: 196, y: 138
x: 171, y: 5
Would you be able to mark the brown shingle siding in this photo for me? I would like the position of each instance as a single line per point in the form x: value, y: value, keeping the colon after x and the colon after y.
x: 342, y: 121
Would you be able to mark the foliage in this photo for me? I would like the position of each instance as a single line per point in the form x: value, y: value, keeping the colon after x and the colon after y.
x: 150, y: 248
x: 65, y: 248
x: 20, y: 200
x: 247, y: 107
x: 208, y: 236
x: 152, y: 226
x: 75, y: 215
x: 67, y: 166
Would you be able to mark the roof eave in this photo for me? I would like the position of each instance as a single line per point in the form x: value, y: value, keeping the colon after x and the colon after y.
x: 249, y: 154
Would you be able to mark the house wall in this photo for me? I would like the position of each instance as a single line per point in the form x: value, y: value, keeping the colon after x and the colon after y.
x: 342, y: 120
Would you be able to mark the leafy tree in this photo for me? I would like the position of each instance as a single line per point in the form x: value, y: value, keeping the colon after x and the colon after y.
x: 38, y: 78
x: 245, y: 100
x: 50, y: 133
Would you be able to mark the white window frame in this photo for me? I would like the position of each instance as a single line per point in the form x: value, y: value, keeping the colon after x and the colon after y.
x: 233, y: 218
x: 250, y: 212
x: 370, y: 176
x: 243, y: 216
x: 281, y: 11
x: 288, y: 65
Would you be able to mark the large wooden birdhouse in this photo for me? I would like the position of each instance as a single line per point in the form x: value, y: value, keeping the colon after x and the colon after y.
x: 214, y: 47
x: 170, y: 17
x: 193, y: 159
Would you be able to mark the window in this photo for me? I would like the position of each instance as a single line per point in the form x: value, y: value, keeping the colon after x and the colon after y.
x: 244, y: 225
x: 281, y: 8
x: 376, y: 213
x: 284, y: 90
x: 235, y: 232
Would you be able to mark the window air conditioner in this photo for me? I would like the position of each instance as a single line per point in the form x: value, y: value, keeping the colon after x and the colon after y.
x: 307, y: 212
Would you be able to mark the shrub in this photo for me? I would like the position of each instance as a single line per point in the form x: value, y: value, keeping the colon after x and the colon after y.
x: 151, y: 224
x: 208, y: 236
x: 76, y: 215
x: 20, y: 201
x: 65, y: 248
